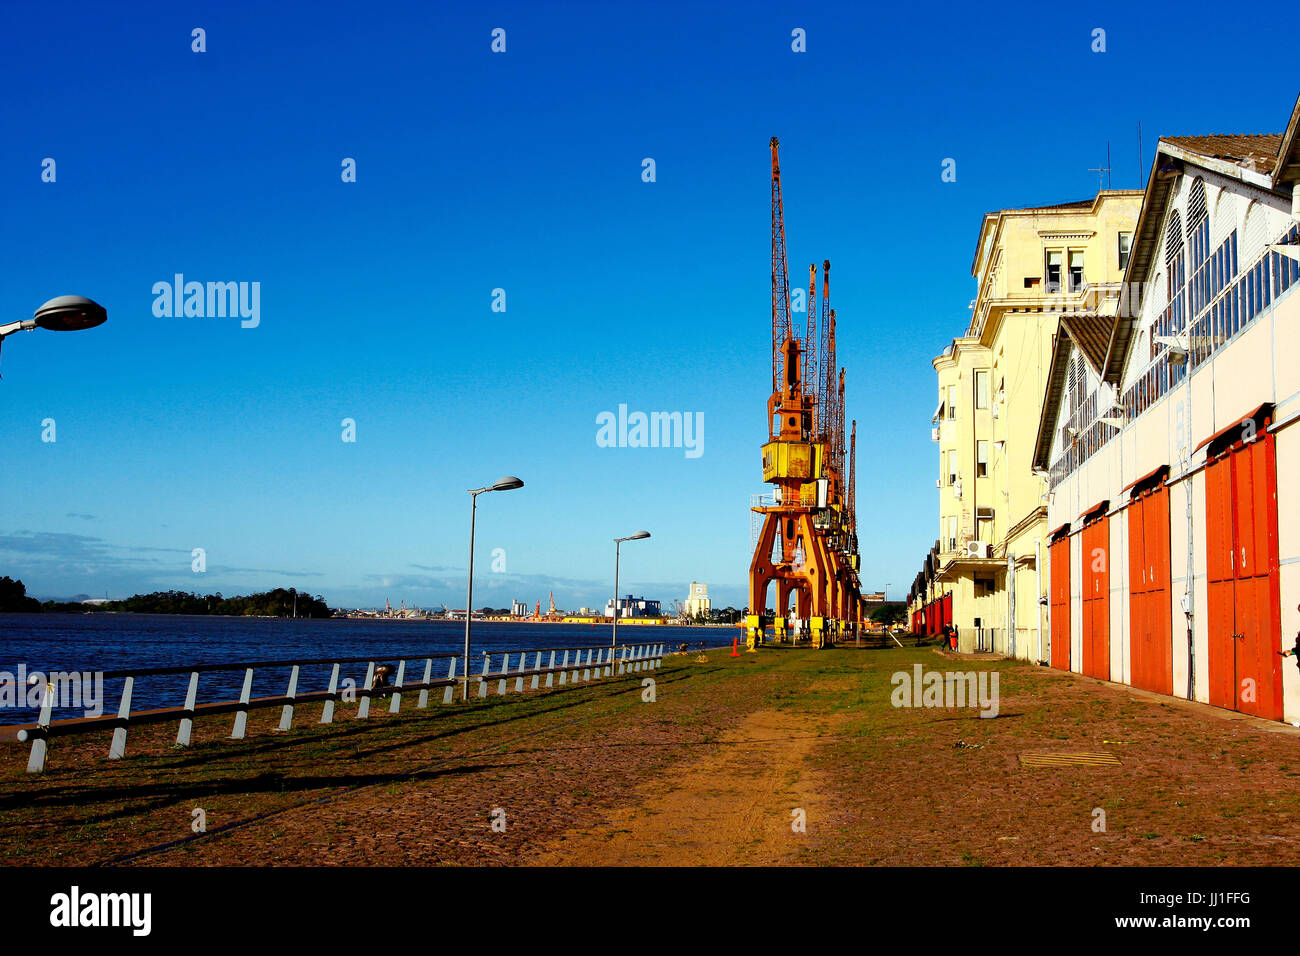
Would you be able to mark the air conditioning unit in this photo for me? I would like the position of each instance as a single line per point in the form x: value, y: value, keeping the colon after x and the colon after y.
x: 934, y: 434
x: 978, y: 549
x: 938, y: 482
x: 956, y: 489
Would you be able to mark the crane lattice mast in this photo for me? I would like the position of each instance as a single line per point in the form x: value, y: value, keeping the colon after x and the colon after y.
x: 780, y: 275
x: 810, y: 340
x: 852, y: 495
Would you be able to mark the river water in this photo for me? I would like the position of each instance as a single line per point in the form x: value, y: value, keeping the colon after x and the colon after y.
x: 107, y: 642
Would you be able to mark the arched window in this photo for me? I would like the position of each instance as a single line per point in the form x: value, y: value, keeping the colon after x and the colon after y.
x: 1198, y: 241
x: 1173, y: 318
x: 1196, y: 208
x: 1173, y: 237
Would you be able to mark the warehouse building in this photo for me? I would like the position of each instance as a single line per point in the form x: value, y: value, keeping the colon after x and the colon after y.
x: 1168, y: 435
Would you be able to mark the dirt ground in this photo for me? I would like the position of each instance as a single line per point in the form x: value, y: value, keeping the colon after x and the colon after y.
x: 781, y: 757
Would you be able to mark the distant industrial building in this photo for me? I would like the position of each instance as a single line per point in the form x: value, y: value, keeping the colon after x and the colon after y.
x: 632, y: 607
x: 697, y: 601
x: 518, y: 609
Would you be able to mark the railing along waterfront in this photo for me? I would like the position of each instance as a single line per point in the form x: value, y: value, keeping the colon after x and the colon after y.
x: 562, y: 666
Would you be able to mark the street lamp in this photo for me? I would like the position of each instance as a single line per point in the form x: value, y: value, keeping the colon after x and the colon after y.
x: 507, y: 483
x: 66, y: 313
x: 613, y: 641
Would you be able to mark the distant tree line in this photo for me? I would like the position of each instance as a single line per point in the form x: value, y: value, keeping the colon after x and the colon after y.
x: 280, y: 602
x: 13, y: 597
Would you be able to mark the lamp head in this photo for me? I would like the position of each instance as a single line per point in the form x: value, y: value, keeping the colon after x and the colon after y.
x: 70, y: 313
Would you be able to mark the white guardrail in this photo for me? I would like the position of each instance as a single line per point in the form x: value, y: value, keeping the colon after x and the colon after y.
x: 562, y: 666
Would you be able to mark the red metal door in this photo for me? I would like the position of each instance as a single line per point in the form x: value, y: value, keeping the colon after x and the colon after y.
x: 1219, y: 578
x: 1060, y: 603
x: 1096, y: 599
x: 1242, y: 567
x: 1255, y: 600
x: 1138, y: 587
x: 1160, y: 643
x: 1150, y: 637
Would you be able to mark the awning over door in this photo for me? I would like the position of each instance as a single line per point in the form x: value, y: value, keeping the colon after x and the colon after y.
x: 1259, y: 416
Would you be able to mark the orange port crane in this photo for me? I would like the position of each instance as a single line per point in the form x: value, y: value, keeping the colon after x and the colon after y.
x: 803, y: 545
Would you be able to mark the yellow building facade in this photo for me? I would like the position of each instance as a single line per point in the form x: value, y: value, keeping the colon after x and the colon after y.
x: 1032, y: 266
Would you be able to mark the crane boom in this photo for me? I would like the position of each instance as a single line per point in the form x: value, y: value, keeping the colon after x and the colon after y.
x: 852, y: 495
x: 780, y: 273
x: 810, y: 337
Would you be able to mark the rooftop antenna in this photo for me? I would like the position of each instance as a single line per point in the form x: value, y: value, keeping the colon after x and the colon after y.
x: 1100, y: 170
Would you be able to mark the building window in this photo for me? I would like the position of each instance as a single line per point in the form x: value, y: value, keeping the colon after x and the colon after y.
x: 981, y: 459
x: 984, y: 525
x: 952, y: 402
x: 981, y: 389
x: 1125, y: 247
x: 1053, y: 272
x: 952, y: 532
x: 1076, y: 271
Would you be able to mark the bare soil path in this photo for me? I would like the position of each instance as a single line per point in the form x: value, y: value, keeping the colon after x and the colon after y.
x: 746, y: 801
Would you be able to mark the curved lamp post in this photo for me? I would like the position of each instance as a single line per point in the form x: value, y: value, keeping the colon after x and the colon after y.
x: 613, y: 641
x: 508, y: 483
x: 66, y: 313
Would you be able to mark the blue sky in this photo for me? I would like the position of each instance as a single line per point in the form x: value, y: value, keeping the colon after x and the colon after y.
x: 519, y: 171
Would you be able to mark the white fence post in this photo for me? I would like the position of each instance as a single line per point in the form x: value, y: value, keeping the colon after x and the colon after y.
x: 395, y: 704
x: 428, y: 676
x: 363, y: 704
x: 241, y: 716
x: 36, y: 761
x: 187, y: 722
x: 286, y: 713
x: 537, y: 672
x: 550, y: 671
x: 327, y: 714
x: 449, y: 692
x: 564, y: 668
x: 482, y: 681
x: 505, y: 669
x: 117, y: 749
